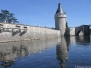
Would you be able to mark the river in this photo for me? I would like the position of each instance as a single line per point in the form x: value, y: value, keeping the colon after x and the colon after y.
x: 63, y: 52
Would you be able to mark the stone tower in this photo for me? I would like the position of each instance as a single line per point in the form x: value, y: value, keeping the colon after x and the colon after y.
x: 60, y: 20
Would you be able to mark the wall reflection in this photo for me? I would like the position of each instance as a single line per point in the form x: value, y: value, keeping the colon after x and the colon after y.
x: 12, y: 51
x: 80, y: 40
x: 62, y: 48
x: 83, y: 40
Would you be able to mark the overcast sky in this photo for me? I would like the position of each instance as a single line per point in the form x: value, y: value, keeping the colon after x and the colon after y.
x: 41, y: 12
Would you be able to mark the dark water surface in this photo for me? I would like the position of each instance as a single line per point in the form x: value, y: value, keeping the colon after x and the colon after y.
x: 65, y: 52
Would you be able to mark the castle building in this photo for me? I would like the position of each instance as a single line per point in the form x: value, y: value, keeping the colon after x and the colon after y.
x: 60, y: 24
x: 60, y: 20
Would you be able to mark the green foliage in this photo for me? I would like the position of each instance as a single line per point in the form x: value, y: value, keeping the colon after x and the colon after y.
x: 5, y: 15
x: 66, y: 24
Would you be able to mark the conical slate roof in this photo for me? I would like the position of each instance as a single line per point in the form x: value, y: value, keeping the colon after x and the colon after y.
x: 59, y: 10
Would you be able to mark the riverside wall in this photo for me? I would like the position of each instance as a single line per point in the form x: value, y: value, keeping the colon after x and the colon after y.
x: 18, y: 32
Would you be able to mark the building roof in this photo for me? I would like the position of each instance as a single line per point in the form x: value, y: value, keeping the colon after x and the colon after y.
x: 59, y: 10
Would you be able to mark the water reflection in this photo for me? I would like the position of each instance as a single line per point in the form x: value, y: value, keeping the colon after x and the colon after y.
x: 13, y: 51
x: 83, y: 40
x: 62, y: 48
x: 80, y: 40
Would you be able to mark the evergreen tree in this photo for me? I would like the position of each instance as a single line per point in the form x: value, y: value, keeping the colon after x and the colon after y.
x: 5, y: 15
x: 66, y: 24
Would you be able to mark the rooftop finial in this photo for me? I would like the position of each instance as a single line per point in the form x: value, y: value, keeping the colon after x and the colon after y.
x: 59, y: 5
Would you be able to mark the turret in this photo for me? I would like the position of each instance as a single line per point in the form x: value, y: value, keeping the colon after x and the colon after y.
x: 60, y: 20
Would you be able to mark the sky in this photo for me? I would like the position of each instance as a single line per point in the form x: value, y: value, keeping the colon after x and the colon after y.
x: 41, y: 12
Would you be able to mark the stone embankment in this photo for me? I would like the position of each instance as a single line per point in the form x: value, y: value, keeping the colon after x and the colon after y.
x: 18, y: 32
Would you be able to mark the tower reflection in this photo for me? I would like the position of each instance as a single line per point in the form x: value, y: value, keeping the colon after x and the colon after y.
x: 62, y: 50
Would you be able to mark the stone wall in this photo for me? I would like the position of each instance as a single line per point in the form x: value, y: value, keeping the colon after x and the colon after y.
x: 17, y: 32
x: 70, y: 31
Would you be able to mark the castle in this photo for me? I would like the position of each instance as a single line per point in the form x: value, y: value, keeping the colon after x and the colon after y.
x: 20, y: 32
x: 60, y: 24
